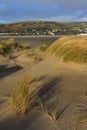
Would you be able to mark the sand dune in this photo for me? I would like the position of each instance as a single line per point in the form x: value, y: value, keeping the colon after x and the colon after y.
x: 62, y: 84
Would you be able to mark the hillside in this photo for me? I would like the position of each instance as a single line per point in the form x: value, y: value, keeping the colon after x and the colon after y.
x: 43, y: 28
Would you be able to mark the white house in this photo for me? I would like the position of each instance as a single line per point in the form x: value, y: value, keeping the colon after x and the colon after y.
x: 82, y: 34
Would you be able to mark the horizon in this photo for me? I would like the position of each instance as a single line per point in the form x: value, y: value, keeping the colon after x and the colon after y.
x: 42, y: 10
x: 43, y: 21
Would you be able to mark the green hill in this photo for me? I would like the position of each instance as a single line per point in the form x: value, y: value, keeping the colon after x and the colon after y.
x: 44, y: 28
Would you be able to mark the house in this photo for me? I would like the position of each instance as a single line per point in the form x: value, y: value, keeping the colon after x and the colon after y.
x: 82, y: 34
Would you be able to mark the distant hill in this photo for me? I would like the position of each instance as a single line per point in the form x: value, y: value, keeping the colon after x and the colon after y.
x: 43, y: 28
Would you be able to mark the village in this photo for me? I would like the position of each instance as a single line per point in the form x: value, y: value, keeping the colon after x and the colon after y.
x: 41, y: 31
x: 28, y: 32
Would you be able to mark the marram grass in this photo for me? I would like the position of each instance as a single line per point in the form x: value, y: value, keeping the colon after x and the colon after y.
x: 48, y: 110
x: 69, y: 49
x: 23, y: 96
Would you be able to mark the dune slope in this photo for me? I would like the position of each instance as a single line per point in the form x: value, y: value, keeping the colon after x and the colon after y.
x: 63, y: 85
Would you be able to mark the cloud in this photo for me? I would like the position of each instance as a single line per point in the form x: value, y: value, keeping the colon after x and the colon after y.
x: 58, y: 10
x: 2, y: 21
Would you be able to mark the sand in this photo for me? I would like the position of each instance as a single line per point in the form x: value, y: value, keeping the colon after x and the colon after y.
x: 61, y: 84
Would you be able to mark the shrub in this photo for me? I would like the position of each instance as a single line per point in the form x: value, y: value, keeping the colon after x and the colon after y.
x: 9, y: 45
x: 16, y: 46
x: 6, y: 46
x: 34, y: 55
x: 10, y: 42
x: 23, y: 96
x: 25, y: 46
x: 42, y: 47
x: 2, y: 51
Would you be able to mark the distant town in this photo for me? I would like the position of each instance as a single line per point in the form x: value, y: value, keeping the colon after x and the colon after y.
x: 51, y: 32
x: 43, y: 28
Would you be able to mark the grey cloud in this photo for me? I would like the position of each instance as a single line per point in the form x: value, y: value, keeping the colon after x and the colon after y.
x: 67, y: 5
x: 66, y: 10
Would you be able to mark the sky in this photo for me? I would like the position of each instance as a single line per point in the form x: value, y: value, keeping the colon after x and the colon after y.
x: 43, y: 10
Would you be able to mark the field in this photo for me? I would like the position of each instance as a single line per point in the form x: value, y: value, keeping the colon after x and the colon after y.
x: 43, y: 86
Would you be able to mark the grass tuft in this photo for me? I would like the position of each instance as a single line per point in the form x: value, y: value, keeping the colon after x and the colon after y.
x: 42, y: 47
x: 23, y: 96
x: 24, y: 46
x: 6, y: 46
x: 69, y: 49
x: 48, y: 110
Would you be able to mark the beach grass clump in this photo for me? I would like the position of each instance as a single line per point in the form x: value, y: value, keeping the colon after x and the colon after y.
x: 24, y: 46
x: 23, y: 96
x: 34, y: 55
x: 50, y: 111
x: 42, y: 47
x: 6, y: 46
x: 2, y: 50
x: 9, y: 45
x: 70, y: 49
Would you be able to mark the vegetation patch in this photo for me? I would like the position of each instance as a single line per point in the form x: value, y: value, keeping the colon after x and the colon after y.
x: 48, y: 110
x: 6, y: 46
x: 69, y: 49
x: 42, y: 47
x: 34, y: 55
x: 25, y: 46
x: 23, y: 96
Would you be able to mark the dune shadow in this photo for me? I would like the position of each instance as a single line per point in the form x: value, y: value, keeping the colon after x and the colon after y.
x: 61, y: 111
x: 14, y: 124
x: 51, y: 95
x: 5, y: 70
x: 48, y: 90
x: 1, y: 102
x: 33, y: 121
